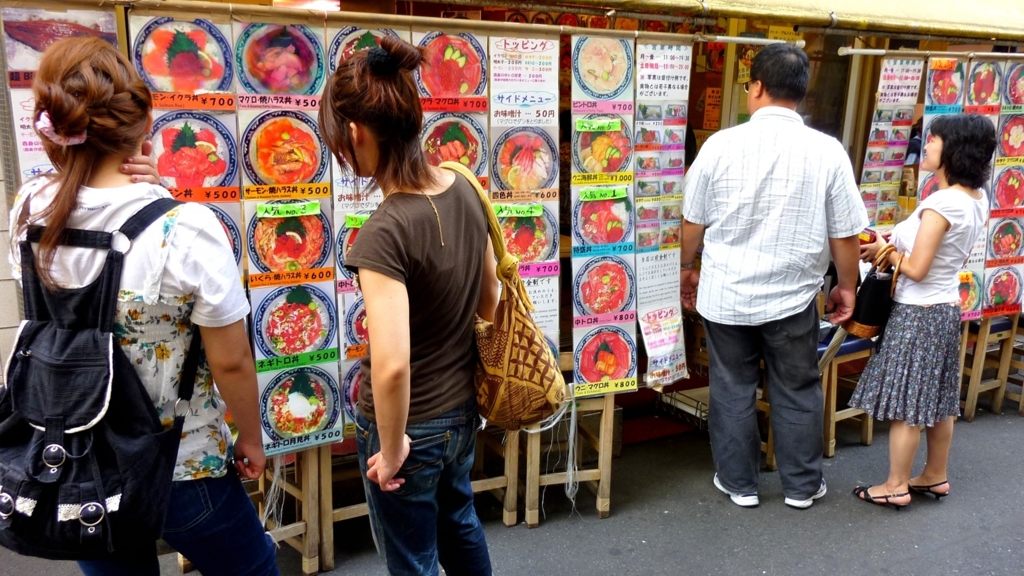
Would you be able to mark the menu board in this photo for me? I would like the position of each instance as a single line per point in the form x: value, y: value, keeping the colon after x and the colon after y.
x: 28, y: 32
x: 889, y: 138
x: 662, y: 94
x: 452, y: 83
x: 524, y: 166
x: 603, y: 216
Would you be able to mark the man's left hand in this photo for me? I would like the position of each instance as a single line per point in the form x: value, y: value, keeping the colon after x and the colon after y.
x: 688, y: 282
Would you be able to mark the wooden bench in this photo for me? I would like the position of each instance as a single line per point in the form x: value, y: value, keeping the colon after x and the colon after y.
x: 983, y: 333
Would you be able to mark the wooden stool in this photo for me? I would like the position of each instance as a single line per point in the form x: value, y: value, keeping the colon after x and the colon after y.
x: 504, y: 487
x: 983, y: 332
x: 599, y: 479
x: 1017, y: 365
x: 852, y: 349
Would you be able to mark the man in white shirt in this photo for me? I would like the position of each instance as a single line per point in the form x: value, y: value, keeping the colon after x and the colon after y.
x: 768, y: 199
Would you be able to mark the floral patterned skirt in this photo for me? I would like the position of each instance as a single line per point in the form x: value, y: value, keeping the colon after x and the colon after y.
x: 915, y: 376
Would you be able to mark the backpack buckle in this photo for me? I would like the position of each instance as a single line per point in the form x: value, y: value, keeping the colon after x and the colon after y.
x: 178, y: 404
x: 54, y: 450
x: 6, y: 506
x: 92, y: 514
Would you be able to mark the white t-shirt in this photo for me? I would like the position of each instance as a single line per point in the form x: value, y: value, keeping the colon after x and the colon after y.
x: 178, y: 272
x: 967, y: 218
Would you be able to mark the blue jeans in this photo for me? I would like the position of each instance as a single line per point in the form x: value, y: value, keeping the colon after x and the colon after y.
x: 212, y: 523
x: 430, y: 518
x: 789, y: 348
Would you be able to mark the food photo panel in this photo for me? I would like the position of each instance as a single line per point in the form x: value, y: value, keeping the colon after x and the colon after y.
x: 1003, y: 290
x: 196, y: 150
x: 289, y: 238
x: 355, y: 332
x: 300, y: 407
x: 1008, y: 190
x: 229, y: 214
x: 455, y: 65
x: 351, y: 380
x: 456, y: 137
x: 276, y: 59
x: 344, y: 42
x: 183, y: 56
x: 28, y: 32
x: 295, y: 320
x: 524, y: 158
x: 280, y: 147
x: 530, y: 231
x: 604, y: 359
x: 602, y: 72
x: 603, y: 287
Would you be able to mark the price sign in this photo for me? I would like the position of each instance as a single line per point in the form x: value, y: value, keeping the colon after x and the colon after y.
x: 226, y: 194
x: 287, y: 191
x: 209, y: 102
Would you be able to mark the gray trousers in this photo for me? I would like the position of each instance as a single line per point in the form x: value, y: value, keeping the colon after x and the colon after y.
x: 789, y: 349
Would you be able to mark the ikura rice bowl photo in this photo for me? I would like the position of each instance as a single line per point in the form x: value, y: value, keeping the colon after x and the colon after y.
x: 970, y: 293
x: 183, y: 57
x: 454, y: 137
x: 531, y: 238
x: 1009, y: 191
x: 294, y: 320
x: 606, y: 353
x: 603, y: 221
x: 603, y: 286
x: 299, y: 402
x: 524, y: 159
x: 1006, y: 239
x: 1003, y: 287
x: 603, y: 152
x: 289, y: 244
x: 455, y: 66
x: 603, y: 67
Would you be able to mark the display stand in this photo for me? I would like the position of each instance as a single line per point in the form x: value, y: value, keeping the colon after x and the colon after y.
x: 1017, y: 366
x: 599, y: 479
x: 998, y: 330
x: 504, y: 487
x: 852, y: 349
x: 301, y: 480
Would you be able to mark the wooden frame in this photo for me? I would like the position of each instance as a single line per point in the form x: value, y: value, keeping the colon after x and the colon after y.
x: 830, y: 385
x: 979, y: 361
x: 599, y: 479
x: 304, y: 533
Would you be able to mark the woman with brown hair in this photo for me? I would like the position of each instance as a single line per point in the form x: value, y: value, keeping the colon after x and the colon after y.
x: 92, y: 111
x: 425, y: 268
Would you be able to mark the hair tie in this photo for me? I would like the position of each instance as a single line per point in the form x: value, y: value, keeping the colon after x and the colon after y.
x: 382, y: 63
x: 45, y: 127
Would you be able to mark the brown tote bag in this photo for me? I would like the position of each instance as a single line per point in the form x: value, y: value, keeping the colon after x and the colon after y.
x: 518, y: 380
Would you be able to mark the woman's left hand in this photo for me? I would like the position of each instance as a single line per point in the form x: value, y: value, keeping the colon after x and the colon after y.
x: 142, y: 168
x: 382, y: 470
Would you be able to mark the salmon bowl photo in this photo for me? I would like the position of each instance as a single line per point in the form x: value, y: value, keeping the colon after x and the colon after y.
x: 455, y: 137
x: 194, y: 150
x: 455, y: 66
x: 183, y: 56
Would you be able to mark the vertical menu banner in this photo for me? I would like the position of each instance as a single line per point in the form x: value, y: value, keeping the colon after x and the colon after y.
x: 603, y: 216
x: 524, y: 166
x: 889, y: 138
x: 1004, y: 265
x: 662, y: 94
x: 28, y: 32
x: 452, y: 84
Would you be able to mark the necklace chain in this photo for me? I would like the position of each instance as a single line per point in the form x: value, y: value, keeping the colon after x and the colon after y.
x: 436, y: 215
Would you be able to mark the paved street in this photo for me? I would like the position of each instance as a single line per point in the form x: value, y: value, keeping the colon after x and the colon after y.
x: 667, y: 518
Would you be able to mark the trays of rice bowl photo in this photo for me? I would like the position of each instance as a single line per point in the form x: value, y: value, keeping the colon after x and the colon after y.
x: 300, y: 401
x: 455, y: 66
x: 289, y: 244
x: 605, y: 353
x: 283, y: 147
x: 603, y: 152
x: 603, y: 221
x: 277, y: 59
x: 1006, y: 239
x: 1002, y: 287
x: 602, y: 67
x: 1009, y: 189
x: 524, y: 159
x: 603, y: 285
x: 194, y: 150
x: 293, y: 320
x: 531, y: 238
x: 455, y: 137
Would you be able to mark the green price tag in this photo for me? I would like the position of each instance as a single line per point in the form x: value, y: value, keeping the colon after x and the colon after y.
x: 598, y: 125
x: 290, y: 210
x: 356, y: 220
x: 517, y: 210
x: 603, y: 193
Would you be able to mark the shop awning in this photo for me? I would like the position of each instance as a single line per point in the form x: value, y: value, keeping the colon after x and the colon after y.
x: 982, y: 19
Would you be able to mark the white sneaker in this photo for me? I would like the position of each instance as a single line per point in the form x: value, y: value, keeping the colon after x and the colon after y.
x: 746, y: 500
x: 804, y: 504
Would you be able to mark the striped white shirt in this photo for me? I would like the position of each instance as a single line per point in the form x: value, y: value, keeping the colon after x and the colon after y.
x: 771, y: 193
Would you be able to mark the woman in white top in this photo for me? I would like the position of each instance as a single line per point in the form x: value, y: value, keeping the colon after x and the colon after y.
x: 92, y: 111
x: 914, y: 379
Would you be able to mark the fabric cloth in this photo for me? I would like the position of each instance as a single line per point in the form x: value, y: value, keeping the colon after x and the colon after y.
x: 789, y: 349
x: 967, y: 219
x: 205, y: 523
x: 771, y: 192
x: 179, y: 271
x: 915, y: 376
x: 403, y: 240
x: 431, y: 518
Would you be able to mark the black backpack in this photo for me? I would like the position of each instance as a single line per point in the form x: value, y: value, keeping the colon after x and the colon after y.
x: 85, y: 465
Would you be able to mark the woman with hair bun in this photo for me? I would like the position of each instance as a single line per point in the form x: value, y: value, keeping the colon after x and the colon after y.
x: 426, y: 270
x: 914, y: 380
x: 92, y: 111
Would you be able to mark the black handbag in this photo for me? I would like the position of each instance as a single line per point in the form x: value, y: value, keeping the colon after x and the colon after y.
x: 874, y: 297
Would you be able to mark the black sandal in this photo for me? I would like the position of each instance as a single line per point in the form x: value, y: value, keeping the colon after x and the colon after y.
x: 928, y: 490
x: 862, y: 493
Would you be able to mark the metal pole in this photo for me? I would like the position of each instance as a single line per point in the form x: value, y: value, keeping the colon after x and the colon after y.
x: 844, y: 51
x: 897, y: 36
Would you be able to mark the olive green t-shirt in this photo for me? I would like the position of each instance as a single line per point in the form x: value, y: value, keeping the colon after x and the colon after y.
x: 402, y: 240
